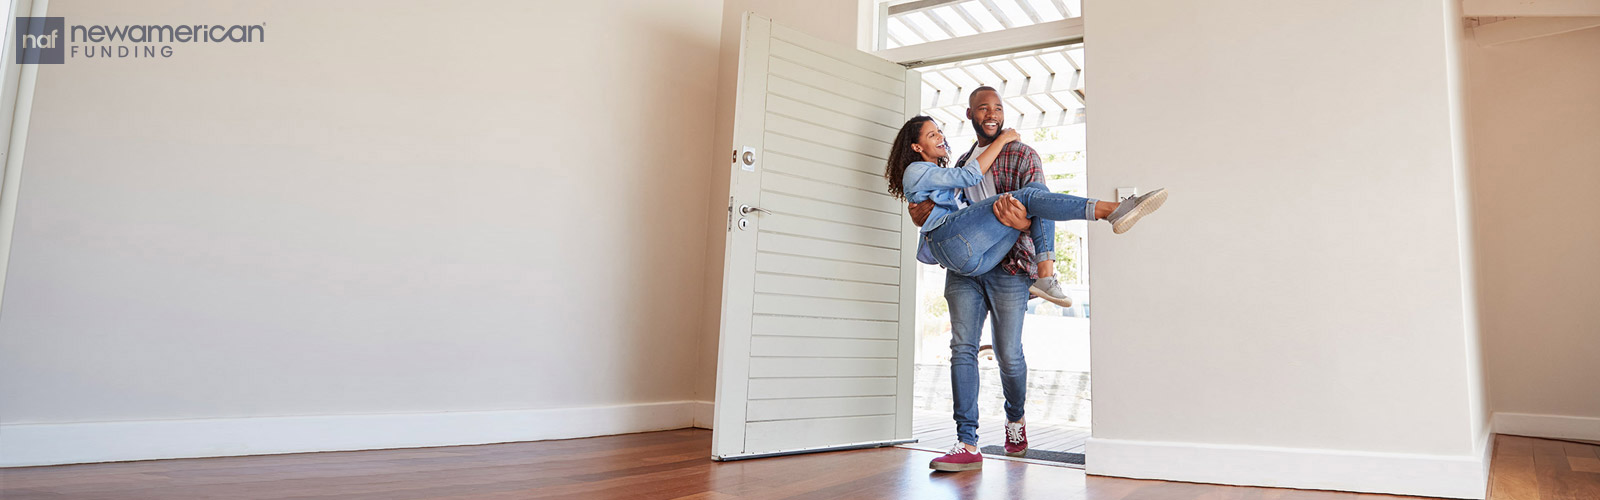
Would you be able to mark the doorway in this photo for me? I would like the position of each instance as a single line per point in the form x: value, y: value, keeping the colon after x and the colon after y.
x: 1044, y: 101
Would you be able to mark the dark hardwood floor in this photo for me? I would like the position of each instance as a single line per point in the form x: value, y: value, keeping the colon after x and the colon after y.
x: 675, y: 464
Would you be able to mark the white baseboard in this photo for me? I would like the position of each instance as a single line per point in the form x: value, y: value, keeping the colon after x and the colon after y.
x: 704, y: 413
x: 1547, y: 426
x: 51, y: 444
x: 1463, y: 476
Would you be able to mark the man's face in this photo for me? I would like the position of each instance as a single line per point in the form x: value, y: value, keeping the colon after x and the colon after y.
x: 988, y: 114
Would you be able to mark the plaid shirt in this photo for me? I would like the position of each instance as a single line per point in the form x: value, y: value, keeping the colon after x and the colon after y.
x: 1017, y: 166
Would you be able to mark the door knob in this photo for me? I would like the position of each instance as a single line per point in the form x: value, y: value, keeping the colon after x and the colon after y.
x: 746, y: 209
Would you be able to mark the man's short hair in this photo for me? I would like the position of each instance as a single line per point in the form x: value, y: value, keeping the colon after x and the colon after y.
x: 975, y: 92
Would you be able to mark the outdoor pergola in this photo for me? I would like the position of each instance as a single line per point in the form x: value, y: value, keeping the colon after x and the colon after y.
x: 1042, y: 87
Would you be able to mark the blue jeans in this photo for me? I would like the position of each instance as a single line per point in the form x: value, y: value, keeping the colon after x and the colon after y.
x: 972, y: 241
x: 971, y: 299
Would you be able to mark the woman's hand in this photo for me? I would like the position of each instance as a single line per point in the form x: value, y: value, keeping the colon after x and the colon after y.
x: 1008, y: 135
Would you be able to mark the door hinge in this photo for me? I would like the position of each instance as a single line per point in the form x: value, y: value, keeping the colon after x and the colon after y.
x: 730, y: 214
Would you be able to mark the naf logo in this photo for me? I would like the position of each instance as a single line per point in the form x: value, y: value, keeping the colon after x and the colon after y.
x: 41, y: 40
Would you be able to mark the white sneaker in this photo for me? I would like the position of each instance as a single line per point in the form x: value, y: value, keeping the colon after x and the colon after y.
x: 1135, y: 207
x: 1048, y: 288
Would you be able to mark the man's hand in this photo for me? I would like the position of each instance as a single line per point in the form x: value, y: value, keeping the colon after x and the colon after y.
x: 1012, y: 213
x: 919, y: 211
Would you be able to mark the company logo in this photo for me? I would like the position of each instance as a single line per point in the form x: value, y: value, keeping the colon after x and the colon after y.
x: 41, y: 40
x: 47, y: 40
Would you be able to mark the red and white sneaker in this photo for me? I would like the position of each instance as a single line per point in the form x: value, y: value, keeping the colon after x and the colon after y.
x: 1016, y: 439
x: 957, y: 459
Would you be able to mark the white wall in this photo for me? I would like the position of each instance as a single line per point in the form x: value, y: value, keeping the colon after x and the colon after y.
x: 832, y: 20
x: 1299, y: 313
x: 1534, y: 116
x: 389, y: 207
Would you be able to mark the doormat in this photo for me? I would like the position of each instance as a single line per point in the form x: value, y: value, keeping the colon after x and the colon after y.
x: 1032, y: 454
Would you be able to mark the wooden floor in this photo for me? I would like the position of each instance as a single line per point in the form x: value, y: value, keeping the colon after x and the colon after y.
x: 1543, y: 469
x: 674, y: 464
x: 937, y: 431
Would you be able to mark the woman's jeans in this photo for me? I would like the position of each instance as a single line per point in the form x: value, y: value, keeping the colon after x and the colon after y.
x: 972, y: 240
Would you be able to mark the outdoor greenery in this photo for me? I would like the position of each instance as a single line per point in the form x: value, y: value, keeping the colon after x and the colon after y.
x: 1069, y: 247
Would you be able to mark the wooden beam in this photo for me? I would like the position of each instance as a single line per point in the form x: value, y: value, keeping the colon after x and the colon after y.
x: 1065, y: 11
x: 1528, y: 28
x: 994, y: 10
x: 914, y: 29
x: 977, y: 27
x: 1038, y: 36
x: 1027, y: 9
x: 938, y: 21
x: 919, y: 5
x: 1530, y: 8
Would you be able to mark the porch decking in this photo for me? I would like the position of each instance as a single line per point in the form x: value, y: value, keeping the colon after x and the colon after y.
x: 936, y: 430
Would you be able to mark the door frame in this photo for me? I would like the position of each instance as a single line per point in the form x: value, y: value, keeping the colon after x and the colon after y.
x: 16, y: 106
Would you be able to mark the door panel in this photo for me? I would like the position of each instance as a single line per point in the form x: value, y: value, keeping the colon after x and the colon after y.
x: 818, y: 297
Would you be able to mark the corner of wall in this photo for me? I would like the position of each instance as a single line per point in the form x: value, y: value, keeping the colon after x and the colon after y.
x: 1456, y: 39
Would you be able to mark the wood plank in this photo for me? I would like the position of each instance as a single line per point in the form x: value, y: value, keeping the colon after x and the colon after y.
x: 817, y: 287
x: 847, y: 54
x: 816, y: 113
x: 861, y: 103
x: 1550, y: 465
x: 827, y: 154
x: 791, y: 409
x: 780, y: 243
x: 873, y: 146
x: 795, y: 206
x: 822, y: 327
x: 871, y: 180
x: 821, y: 268
x: 844, y: 387
x: 798, y: 434
x: 785, y: 51
x: 806, y: 227
x: 821, y: 347
x: 789, y: 367
x: 836, y: 193
x: 819, y: 307
x: 1512, y: 474
x: 1582, y: 457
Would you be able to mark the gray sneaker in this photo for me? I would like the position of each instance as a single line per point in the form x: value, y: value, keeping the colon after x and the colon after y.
x: 1129, y: 211
x: 1048, y: 288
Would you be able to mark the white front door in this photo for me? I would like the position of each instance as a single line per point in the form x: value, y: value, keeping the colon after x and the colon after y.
x: 818, y: 289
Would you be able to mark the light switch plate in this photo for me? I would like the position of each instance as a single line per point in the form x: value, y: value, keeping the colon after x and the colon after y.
x: 1125, y: 193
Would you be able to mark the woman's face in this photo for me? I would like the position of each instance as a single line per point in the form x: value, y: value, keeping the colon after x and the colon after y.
x: 930, y: 143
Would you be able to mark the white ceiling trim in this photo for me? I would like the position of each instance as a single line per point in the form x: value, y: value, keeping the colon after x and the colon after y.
x: 1037, y: 36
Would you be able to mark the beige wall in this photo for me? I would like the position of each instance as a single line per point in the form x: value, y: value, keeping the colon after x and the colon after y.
x: 1535, y: 117
x: 388, y: 207
x: 1307, y: 285
x: 832, y: 20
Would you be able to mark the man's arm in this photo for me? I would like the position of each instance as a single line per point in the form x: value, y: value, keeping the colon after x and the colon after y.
x: 919, y: 211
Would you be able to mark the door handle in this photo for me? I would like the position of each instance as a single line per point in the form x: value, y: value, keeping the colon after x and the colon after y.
x: 746, y: 209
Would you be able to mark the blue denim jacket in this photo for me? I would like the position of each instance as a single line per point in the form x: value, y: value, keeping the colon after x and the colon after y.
x: 929, y: 181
